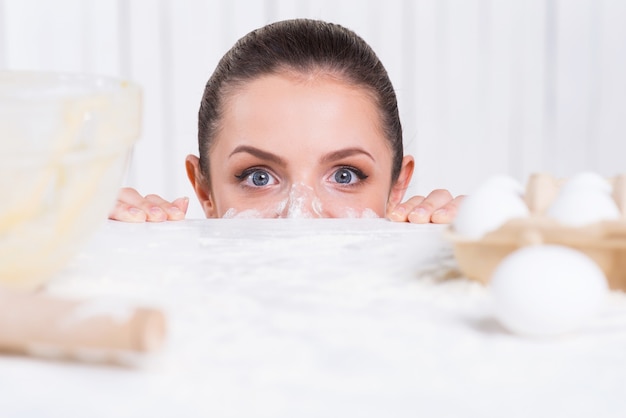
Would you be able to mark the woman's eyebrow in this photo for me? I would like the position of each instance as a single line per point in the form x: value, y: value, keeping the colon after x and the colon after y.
x: 343, y: 153
x: 259, y: 153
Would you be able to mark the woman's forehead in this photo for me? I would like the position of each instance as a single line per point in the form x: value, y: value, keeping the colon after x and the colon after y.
x: 273, y: 101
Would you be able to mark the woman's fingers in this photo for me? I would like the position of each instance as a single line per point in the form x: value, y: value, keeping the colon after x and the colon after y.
x: 401, y: 212
x: 438, y: 207
x: 127, y: 208
x: 158, y: 209
x: 447, y: 213
x: 132, y: 207
x: 126, y: 213
x: 182, y: 204
x: 421, y: 214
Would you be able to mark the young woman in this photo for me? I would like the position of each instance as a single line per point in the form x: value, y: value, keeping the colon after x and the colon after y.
x: 299, y: 119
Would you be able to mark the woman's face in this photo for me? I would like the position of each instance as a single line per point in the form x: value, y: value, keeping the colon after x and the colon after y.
x: 299, y: 146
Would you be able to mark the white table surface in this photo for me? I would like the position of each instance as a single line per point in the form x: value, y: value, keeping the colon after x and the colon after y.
x: 313, y: 318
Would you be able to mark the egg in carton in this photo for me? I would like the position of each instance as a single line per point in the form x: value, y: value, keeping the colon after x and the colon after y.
x: 586, y: 213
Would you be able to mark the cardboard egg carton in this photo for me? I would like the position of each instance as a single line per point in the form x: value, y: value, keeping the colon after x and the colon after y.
x: 604, y: 242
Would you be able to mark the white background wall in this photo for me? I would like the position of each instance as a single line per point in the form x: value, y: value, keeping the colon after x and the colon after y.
x: 484, y: 86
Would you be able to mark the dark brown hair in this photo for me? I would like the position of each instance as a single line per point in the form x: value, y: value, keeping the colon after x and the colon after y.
x: 304, y: 46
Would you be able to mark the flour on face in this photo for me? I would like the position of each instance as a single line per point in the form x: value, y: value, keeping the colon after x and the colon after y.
x: 369, y: 213
x: 365, y: 213
x: 248, y: 213
x: 301, y: 203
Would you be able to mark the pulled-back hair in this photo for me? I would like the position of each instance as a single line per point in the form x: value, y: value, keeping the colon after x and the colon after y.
x: 305, y: 46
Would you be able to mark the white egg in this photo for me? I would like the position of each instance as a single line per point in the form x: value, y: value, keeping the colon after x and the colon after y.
x: 497, y: 201
x: 579, y: 206
x: 546, y: 290
x: 589, y: 181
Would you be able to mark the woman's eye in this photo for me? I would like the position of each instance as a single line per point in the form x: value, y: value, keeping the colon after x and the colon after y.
x: 348, y: 176
x: 260, y: 178
x: 257, y: 178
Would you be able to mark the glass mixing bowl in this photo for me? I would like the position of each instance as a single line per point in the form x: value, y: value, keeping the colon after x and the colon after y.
x: 65, y: 140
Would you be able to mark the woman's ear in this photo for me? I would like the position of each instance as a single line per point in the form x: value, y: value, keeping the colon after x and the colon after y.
x: 398, y: 189
x: 200, y: 185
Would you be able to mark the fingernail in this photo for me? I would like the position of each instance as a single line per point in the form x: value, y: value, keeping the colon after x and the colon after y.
x: 399, y: 212
x: 156, y: 211
x: 441, y: 216
x: 135, y: 211
x: 174, y: 210
x: 419, y: 215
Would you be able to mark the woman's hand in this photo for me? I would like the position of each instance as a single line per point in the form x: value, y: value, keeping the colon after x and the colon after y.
x: 439, y: 207
x: 132, y: 207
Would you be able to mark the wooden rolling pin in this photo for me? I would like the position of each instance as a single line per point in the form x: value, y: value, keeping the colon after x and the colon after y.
x: 92, y: 330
